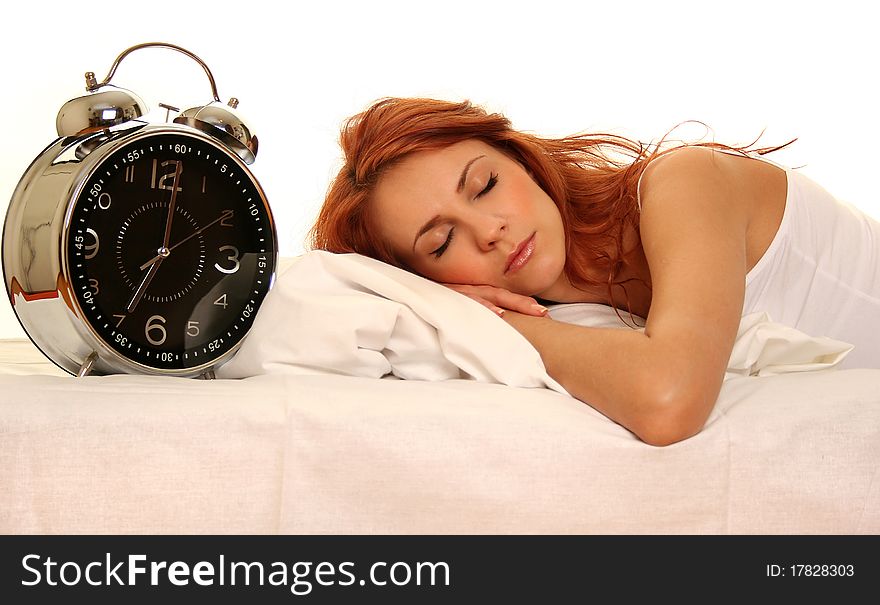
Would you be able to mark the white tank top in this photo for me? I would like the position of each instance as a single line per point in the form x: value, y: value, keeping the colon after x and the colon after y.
x: 821, y: 273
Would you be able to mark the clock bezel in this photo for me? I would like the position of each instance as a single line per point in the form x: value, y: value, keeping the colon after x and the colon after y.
x: 108, y: 356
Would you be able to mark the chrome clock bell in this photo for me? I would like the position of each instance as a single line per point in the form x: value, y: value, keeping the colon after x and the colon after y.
x: 140, y: 247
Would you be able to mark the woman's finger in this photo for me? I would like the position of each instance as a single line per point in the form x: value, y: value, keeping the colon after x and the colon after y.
x: 499, y: 298
x: 494, y: 308
x: 517, y: 302
x: 472, y: 294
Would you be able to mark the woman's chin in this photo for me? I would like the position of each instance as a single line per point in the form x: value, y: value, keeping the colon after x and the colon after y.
x: 546, y: 278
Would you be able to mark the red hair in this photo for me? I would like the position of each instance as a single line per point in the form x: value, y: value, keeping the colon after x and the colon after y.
x: 596, y: 192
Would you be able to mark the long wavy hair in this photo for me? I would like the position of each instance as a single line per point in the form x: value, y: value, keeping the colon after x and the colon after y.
x: 592, y: 178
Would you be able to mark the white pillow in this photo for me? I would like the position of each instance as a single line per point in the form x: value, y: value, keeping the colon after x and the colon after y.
x: 352, y: 315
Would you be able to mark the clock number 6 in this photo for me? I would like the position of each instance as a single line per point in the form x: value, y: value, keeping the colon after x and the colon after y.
x: 156, y: 324
x: 233, y: 257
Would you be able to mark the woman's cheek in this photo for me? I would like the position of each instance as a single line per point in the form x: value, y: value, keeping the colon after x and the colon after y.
x: 464, y: 270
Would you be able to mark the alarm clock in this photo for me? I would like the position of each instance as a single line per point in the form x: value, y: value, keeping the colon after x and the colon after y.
x: 140, y: 247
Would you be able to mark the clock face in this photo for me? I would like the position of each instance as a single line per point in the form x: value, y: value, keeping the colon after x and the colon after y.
x: 170, y: 250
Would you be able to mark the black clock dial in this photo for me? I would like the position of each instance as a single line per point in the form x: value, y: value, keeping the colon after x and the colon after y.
x: 170, y: 250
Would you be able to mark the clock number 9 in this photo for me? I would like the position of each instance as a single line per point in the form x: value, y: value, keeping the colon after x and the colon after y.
x: 91, y: 249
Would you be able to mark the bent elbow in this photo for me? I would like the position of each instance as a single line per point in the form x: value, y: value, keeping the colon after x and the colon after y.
x: 661, y: 432
x: 674, y: 417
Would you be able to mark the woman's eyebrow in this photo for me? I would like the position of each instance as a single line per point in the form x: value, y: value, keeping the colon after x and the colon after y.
x: 425, y: 228
x: 461, y: 181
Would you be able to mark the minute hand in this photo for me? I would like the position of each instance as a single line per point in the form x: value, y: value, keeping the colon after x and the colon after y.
x: 171, y: 205
x: 226, y: 214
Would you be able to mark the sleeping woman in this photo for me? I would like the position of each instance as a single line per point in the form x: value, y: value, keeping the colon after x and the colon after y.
x: 688, y: 239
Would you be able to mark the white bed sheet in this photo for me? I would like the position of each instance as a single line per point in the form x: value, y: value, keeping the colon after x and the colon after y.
x: 793, y: 453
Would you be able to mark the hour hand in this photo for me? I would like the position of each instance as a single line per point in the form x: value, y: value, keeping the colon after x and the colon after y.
x: 141, y: 289
x: 163, y: 253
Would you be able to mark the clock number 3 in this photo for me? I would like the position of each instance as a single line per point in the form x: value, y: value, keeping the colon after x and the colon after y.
x: 232, y: 257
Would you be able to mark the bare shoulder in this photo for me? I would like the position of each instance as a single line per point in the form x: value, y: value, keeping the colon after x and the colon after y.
x: 703, y: 170
x: 745, y: 193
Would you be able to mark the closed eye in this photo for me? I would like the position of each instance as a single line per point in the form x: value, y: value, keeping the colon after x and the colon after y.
x: 439, y: 251
x: 493, y: 179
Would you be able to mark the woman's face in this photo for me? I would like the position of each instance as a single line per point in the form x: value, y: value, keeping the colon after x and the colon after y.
x: 469, y: 214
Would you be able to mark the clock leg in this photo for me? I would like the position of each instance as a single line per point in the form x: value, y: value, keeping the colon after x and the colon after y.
x: 86, y: 368
x: 207, y: 375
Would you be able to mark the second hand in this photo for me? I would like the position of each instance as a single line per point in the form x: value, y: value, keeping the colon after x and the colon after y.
x: 184, y: 240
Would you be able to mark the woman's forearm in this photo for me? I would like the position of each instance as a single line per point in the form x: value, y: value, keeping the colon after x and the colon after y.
x: 638, y: 382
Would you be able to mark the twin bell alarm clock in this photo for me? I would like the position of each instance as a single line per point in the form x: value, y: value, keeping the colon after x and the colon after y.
x: 137, y: 247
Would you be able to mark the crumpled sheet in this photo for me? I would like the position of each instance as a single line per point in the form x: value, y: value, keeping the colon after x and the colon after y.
x: 765, y: 348
x: 347, y: 314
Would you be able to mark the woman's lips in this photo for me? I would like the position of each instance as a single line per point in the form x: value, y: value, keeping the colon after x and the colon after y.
x: 520, y: 255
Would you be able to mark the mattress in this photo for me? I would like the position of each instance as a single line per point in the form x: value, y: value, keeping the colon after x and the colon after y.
x: 330, y: 454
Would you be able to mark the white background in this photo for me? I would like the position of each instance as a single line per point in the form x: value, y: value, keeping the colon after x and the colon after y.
x: 793, y: 69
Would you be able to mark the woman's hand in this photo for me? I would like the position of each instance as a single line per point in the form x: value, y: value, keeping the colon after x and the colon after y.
x: 499, y: 299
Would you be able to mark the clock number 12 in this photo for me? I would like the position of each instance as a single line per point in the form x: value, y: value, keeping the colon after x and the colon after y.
x: 169, y: 175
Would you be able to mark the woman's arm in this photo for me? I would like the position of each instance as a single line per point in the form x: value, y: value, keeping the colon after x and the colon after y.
x: 663, y: 383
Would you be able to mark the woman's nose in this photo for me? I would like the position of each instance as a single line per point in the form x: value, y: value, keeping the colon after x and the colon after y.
x: 491, y: 230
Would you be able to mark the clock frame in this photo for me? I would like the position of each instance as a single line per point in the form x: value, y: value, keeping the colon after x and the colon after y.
x: 54, y: 298
x: 166, y: 261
